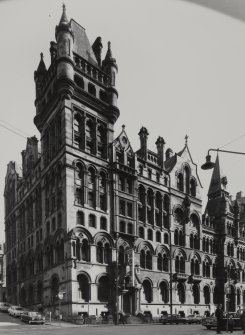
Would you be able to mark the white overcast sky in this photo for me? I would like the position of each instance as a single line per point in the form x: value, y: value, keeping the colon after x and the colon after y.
x: 181, y: 71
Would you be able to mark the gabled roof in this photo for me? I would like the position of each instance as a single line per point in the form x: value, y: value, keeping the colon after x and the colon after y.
x: 122, y: 141
x: 82, y: 46
x: 171, y: 162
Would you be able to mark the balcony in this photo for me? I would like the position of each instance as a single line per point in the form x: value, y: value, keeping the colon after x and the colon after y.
x: 181, y: 277
x: 195, y: 278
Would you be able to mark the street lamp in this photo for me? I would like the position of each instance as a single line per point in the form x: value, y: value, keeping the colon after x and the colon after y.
x: 209, y: 164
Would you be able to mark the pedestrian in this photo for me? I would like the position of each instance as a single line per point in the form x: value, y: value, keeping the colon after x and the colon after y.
x: 219, y: 317
x: 230, y: 324
x: 121, y: 318
x: 243, y: 321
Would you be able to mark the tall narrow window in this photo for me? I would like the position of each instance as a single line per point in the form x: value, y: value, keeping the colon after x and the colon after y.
x: 79, y: 181
x: 91, y: 188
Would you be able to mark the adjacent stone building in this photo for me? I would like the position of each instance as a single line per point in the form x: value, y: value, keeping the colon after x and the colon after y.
x: 86, y: 216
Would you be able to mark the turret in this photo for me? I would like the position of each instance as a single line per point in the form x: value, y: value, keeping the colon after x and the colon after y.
x: 109, y: 66
x: 65, y: 66
x: 143, y: 134
x: 39, y: 76
x: 160, y: 150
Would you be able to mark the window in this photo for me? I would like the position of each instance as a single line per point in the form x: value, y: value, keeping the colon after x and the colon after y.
x: 130, y: 228
x: 122, y: 207
x: 141, y: 232
x: 102, y: 191
x: 48, y: 228
x: 79, y: 82
x: 130, y: 209
x: 80, y: 218
x: 193, y: 187
x: 158, y: 236
x: 180, y: 182
x: 78, y: 131
x: 187, y: 180
x: 157, y: 177
x: 92, y: 220
x: 149, y: 173
x: 91, y: 89
x: 165, y: 238
x: 103, y: 95
x: 122, y: 227
x: 121, y: 183
x: 150, y: 234
x: 79, y: 181
x: 103, y: 223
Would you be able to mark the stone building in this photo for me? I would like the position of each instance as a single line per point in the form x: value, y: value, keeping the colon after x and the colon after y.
x: 86, y: 216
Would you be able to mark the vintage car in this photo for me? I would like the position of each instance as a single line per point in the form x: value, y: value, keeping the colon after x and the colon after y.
x: 15, y: 311
x: 193, y: 318
x: 211, y: 321
x: 4, y: 306
x: 172, y: 319
x: 32, y: 317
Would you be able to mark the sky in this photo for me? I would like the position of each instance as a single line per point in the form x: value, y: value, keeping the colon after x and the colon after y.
x: 181, y: 71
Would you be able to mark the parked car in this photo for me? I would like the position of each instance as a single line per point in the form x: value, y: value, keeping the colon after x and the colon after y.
x: 211, y: 321
x: 15, y: 311
x: 171, y: 319
x: 191, y: 319
x: 194, y: 318
x: 32, y: 317
x: 4, y: 306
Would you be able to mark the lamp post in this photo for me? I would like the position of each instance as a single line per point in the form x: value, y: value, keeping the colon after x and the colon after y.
x: 228, y: 298
x: 116, y: 280
x: 209, y: 164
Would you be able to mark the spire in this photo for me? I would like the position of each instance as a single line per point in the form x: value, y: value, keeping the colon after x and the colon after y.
x: 41, y: 67
x: 64, y: 19
x: 109, y: 60
x: 218, y: 181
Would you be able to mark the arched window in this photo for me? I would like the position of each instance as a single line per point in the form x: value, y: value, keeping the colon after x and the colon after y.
x: 164, y: 292
x: 177, y: 264
x: 158, y: 209
x: 141, y: 205
x: 121, y: 256
x: 196, y: 242
x: 187, y: 180
x: 79, y: 184
x: 107, y: 253
x: 193, y: 188
x: 84, y: 287
x: 159, y: 262
x: 148, y: 259
x: 54, y: 289
x: 150, y: 206
x: 85, y: 250
x: 39, y: 292
x: 165, y: 238
x: 91, y: 188
x: 178, y: 216
x: 142, y: 259
x: 147, y: 291
x: 180, y: 182
x: 99, y: 252
x: 104, y: 289
x: 102, y: 191
x: 206, y: 293
x: 176, y: 237
x: 165, y: 263
x: 196, y: 294
x: 181, y: 293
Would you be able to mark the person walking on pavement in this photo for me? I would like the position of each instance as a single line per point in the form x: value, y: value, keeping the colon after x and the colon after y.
x: 219, y: 316
x: 230, y: 324
x: 243, y: 321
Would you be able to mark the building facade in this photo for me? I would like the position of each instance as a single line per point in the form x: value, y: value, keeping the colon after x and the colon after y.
x: 92, y: 221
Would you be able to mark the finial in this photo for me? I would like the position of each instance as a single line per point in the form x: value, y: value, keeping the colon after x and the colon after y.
x: 64, y: 19
x: 186, y: 139
x: 41, y: 54
x: 109, y: 45
x: 123, y: 126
